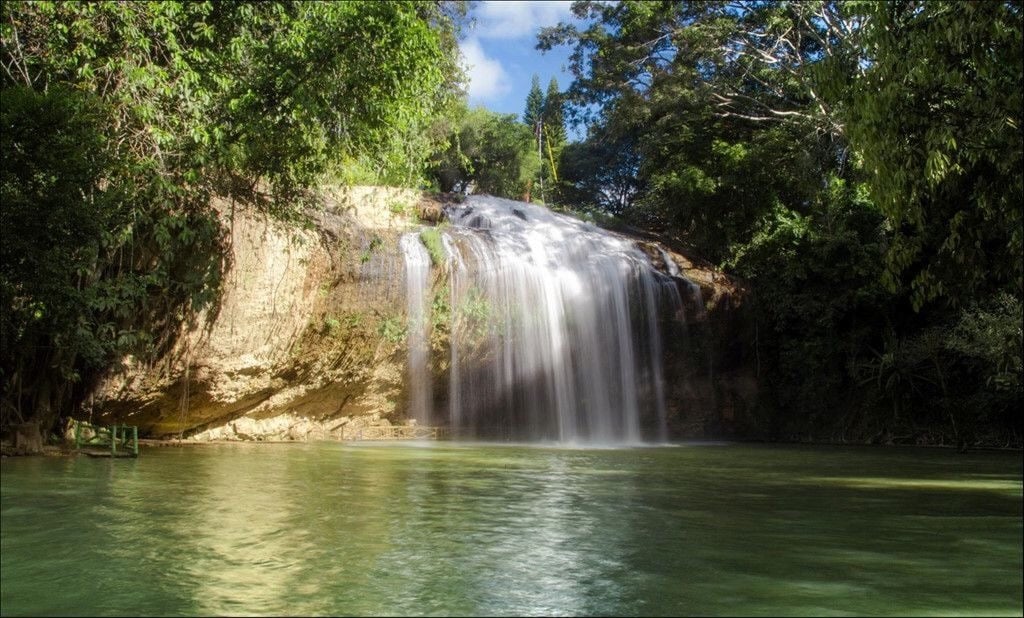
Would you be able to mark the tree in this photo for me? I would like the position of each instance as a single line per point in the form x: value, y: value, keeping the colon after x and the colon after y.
x: 553, y: 131
x: 926, y: 94
x: 554, y: 117
x: 489, y: 153
x: 98, y: 259
x: 603, y: 172
x: 534, y: 111
x: 507, y: 163
x: 155, y: 107
x: 817, y: 148
x: 451, y: 168
x: 700, y: 92
x: 219, y: 92
x: 936, y: 117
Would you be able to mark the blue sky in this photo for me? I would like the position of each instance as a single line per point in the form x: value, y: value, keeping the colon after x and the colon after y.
x: 500, y: 53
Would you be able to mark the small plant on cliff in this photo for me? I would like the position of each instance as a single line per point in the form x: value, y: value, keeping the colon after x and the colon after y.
x: 331, y: 325
x: 391, y: 329
x: 353, y: 320
x: 375, y: 243
x: 400, y: 208
x: 440, y: 308
x: 475, y: 313
x: 431, y: 239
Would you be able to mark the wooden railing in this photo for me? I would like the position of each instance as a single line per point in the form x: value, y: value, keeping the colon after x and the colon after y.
x: 121, y: 440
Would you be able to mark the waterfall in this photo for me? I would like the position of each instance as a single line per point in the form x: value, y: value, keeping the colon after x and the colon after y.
x: 417, y: 277
x: 554, y: 327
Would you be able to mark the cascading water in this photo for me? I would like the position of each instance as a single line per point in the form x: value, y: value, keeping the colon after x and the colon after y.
x: 693, y: 290
x: 554, y: 327
x: 417, y: 273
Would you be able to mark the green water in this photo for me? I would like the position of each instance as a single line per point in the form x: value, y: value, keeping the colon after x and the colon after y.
x: 497, y: 530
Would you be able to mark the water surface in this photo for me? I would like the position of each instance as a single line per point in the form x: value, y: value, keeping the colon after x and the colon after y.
x: 443, y: 528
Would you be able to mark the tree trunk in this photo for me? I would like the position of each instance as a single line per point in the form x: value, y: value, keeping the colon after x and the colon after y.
x: 27, y: 439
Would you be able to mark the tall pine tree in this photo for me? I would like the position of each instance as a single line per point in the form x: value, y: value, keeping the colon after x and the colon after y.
x: 533, y: 117
x: 553, y: 117
x: 553, y: 135
x: 534, y: 104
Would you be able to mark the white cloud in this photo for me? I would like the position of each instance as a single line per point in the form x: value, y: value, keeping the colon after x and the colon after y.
x: 487, y: 78
x: 513, y: 19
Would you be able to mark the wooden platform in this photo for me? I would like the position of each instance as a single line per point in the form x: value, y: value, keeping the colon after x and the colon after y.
x: 95, y: 452
x: 115, y: 441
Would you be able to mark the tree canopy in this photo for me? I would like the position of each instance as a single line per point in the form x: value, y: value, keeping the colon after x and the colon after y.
x: 488, y: 153
x: 121, y: 121
x: 859, y: 163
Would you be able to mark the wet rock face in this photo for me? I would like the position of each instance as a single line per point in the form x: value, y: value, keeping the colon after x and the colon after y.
x: 309, y: 324
x: 710, y: 364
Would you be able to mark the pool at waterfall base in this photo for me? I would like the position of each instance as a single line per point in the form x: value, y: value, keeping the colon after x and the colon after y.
x: 449, y: 528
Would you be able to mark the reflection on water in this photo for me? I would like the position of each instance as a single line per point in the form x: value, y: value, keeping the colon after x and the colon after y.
x: 473, y: 529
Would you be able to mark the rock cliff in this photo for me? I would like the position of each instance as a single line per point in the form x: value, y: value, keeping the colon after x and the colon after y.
x: 308, y: 338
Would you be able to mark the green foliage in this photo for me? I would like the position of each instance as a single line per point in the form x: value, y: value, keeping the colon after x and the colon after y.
x: 400, y: 208
x: 374, y: 244
x: 332, y: 325
x: 554, y: 118
x: 476, y: 307
x: 431, y: 239
x: 544, y: 117
x: 600, y: 173
x: 451, y: 169
x: 475, y: 314
x: 440, y: 309
x: 936, y: 116
x: 534, y: 104
x: 490, y: 153
x: 99, y: 257
x: 508, y: 162
x: 392, y: 330
x: 552, y: 137
x: 819, y: 301
x: 344, y: 325
x: 990, y: 337
x: 224, y: 94
x: 682, y: 136
x: 122, y: 119
x: 352, y: 320
x: 857, y: 163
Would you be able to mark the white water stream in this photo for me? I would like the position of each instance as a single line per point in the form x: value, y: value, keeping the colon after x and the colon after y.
x: 554, y: 327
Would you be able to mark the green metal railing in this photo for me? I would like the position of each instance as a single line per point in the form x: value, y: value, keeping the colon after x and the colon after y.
x: 114, y: 437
